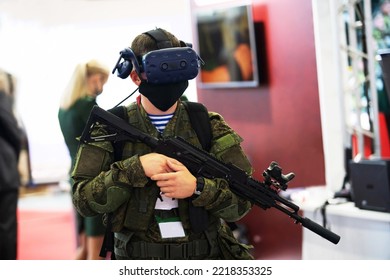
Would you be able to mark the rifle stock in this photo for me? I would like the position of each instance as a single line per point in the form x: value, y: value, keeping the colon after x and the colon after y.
x: 200, y: 163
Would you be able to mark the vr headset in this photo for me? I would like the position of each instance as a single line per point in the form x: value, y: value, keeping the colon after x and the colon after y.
x: 166, y: 65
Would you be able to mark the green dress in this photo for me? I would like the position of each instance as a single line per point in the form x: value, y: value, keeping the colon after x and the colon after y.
x: 72, y: 122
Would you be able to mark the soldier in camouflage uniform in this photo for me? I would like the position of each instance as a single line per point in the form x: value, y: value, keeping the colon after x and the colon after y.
x: 156, y: 221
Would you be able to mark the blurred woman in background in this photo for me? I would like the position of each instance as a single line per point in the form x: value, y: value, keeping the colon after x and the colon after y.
x: 76, y: 104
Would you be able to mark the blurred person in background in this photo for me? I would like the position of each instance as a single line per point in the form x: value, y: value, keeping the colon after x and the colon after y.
x: 11, y: 137
x: 77, y: 101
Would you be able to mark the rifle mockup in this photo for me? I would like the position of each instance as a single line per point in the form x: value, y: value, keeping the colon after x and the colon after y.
x: 200, y: 163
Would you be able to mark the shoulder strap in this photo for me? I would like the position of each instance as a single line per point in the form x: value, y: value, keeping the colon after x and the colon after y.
x: 121, y: 112
x: 200, y: 122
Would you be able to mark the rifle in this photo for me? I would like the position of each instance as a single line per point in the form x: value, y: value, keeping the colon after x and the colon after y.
x: 200, y: 163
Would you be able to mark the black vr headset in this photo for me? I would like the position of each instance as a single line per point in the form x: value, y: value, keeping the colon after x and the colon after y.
x: 166, y: 65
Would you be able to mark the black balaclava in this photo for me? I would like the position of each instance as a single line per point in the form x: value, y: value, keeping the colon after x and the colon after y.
x: 163, y: 96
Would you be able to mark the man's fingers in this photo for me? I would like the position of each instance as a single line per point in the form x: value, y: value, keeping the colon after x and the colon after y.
x: 160, y: 177
x: 175, y: 165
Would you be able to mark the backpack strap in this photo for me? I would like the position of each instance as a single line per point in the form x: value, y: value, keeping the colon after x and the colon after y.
x: 200, y: 122
x: 120, y: 112
x: 199, y: 118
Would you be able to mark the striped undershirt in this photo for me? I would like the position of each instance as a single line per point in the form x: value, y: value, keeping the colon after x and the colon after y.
x: 160, y: 121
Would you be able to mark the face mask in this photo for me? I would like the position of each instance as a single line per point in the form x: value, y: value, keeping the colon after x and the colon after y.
x: 163, y: 96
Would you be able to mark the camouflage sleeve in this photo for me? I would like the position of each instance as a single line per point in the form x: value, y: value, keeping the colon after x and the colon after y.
x: 95, y: 172
x: 216, y: 196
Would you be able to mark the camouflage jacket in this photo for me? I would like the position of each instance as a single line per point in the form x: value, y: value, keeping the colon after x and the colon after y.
x: 95, y: 172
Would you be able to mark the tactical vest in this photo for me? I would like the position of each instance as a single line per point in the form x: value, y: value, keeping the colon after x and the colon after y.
x: 140, y: 206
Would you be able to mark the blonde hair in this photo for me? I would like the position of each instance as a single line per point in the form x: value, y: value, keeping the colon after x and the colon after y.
x: 77, y: 86
x: 7, y: 83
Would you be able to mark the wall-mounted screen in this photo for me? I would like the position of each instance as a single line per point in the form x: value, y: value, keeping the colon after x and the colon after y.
x: 225, y: 39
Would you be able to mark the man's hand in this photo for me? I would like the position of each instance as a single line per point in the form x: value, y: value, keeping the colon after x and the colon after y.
x: 177, y: 182
x: 154, y: 163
